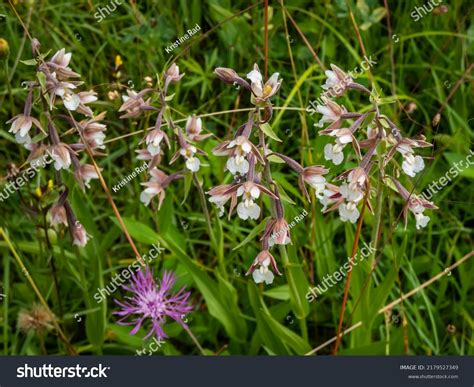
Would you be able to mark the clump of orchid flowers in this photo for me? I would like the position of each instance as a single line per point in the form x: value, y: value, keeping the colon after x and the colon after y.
x: 383, y: 141
x: 155, y: 138
x: 249, y: 165
x: 55, y: 92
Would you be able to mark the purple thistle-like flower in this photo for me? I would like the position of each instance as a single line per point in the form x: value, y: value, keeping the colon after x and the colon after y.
x: 153, y: 301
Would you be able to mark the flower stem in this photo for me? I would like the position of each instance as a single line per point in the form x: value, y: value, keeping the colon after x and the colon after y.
x: 195, y: 340
x: 217, y: 247
x: 349, y: 275
x: 24, y: 270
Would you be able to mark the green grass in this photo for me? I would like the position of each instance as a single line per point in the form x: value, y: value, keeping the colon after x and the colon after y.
x: 233, y: 315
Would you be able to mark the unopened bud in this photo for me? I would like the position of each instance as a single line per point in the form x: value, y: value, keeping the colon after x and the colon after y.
x: 4, y: 49
x: 436, y: 120
x: 225, y: 74
x: 35, y: 46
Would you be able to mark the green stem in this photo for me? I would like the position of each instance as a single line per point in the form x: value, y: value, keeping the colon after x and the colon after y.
x: 9, y: 88
x: 217, y: 247
x: 195, y: 340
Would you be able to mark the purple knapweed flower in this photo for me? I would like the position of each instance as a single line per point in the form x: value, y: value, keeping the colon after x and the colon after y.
x: 153, y: 301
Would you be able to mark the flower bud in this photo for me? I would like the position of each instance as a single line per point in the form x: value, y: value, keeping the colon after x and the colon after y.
x: 4, y: 49
x: 79, y: 234
x: 35, y: 46
x: 225, y: 74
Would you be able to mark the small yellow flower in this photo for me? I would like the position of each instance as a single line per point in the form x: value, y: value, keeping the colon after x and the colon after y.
x: 118, y: 61
x: 38, y: 192
x: 50, y: 184
x: 4, y: 49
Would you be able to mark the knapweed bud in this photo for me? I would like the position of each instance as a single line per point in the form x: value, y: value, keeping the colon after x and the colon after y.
x: 4, y: 49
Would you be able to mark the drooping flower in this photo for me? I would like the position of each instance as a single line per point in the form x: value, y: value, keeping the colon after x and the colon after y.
x: 260, y: 268
x: 133, y: 103
x: 192, y: 163
x: 21, y: 125
x: 194, y: 129
x: 248, y: 208
x: 156, y: 186
x: 59, y: 64
x: 349, y: 212
x: 411, y: 164
x: 153, y: 141
x: 172, y: 75
x: 334, y: 153
x: 86, y: 97
x: 332, y: 113
x: 85, y: 173
x: 153, y: 302
x: 314, y: 177
x: 337, y: 80
x: 221, y: 194
x: 61, y: 156
x: 416, y: 204
x: 330, y: 196
x: 58, y: 215
x: 263, y: 92
x: 238, y: 151
x: 79, y: 234
x: 278, y: 232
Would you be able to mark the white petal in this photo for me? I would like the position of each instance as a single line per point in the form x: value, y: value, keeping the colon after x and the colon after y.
x: 154, y: 150
x: 71, y: 101
x: 255, y: 76
x: 25, y: 127
x: 255, y: 192
x: 421, y: 220
x: 193, y: 164
x: 145, y: 198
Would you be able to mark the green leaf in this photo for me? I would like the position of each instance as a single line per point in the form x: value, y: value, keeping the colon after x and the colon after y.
x: 29, y: 62
x: 297, y: 281
x: 169, y: 97
x: 279, y: 293
x: 257, y: 230
x: 267, y: 129
x: 139, y: 231
x: 275, y: 159
x: 278, y: 338
x: 188, y: 179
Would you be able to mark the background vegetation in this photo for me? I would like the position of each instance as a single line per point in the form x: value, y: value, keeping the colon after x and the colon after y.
x: 426, y: 65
